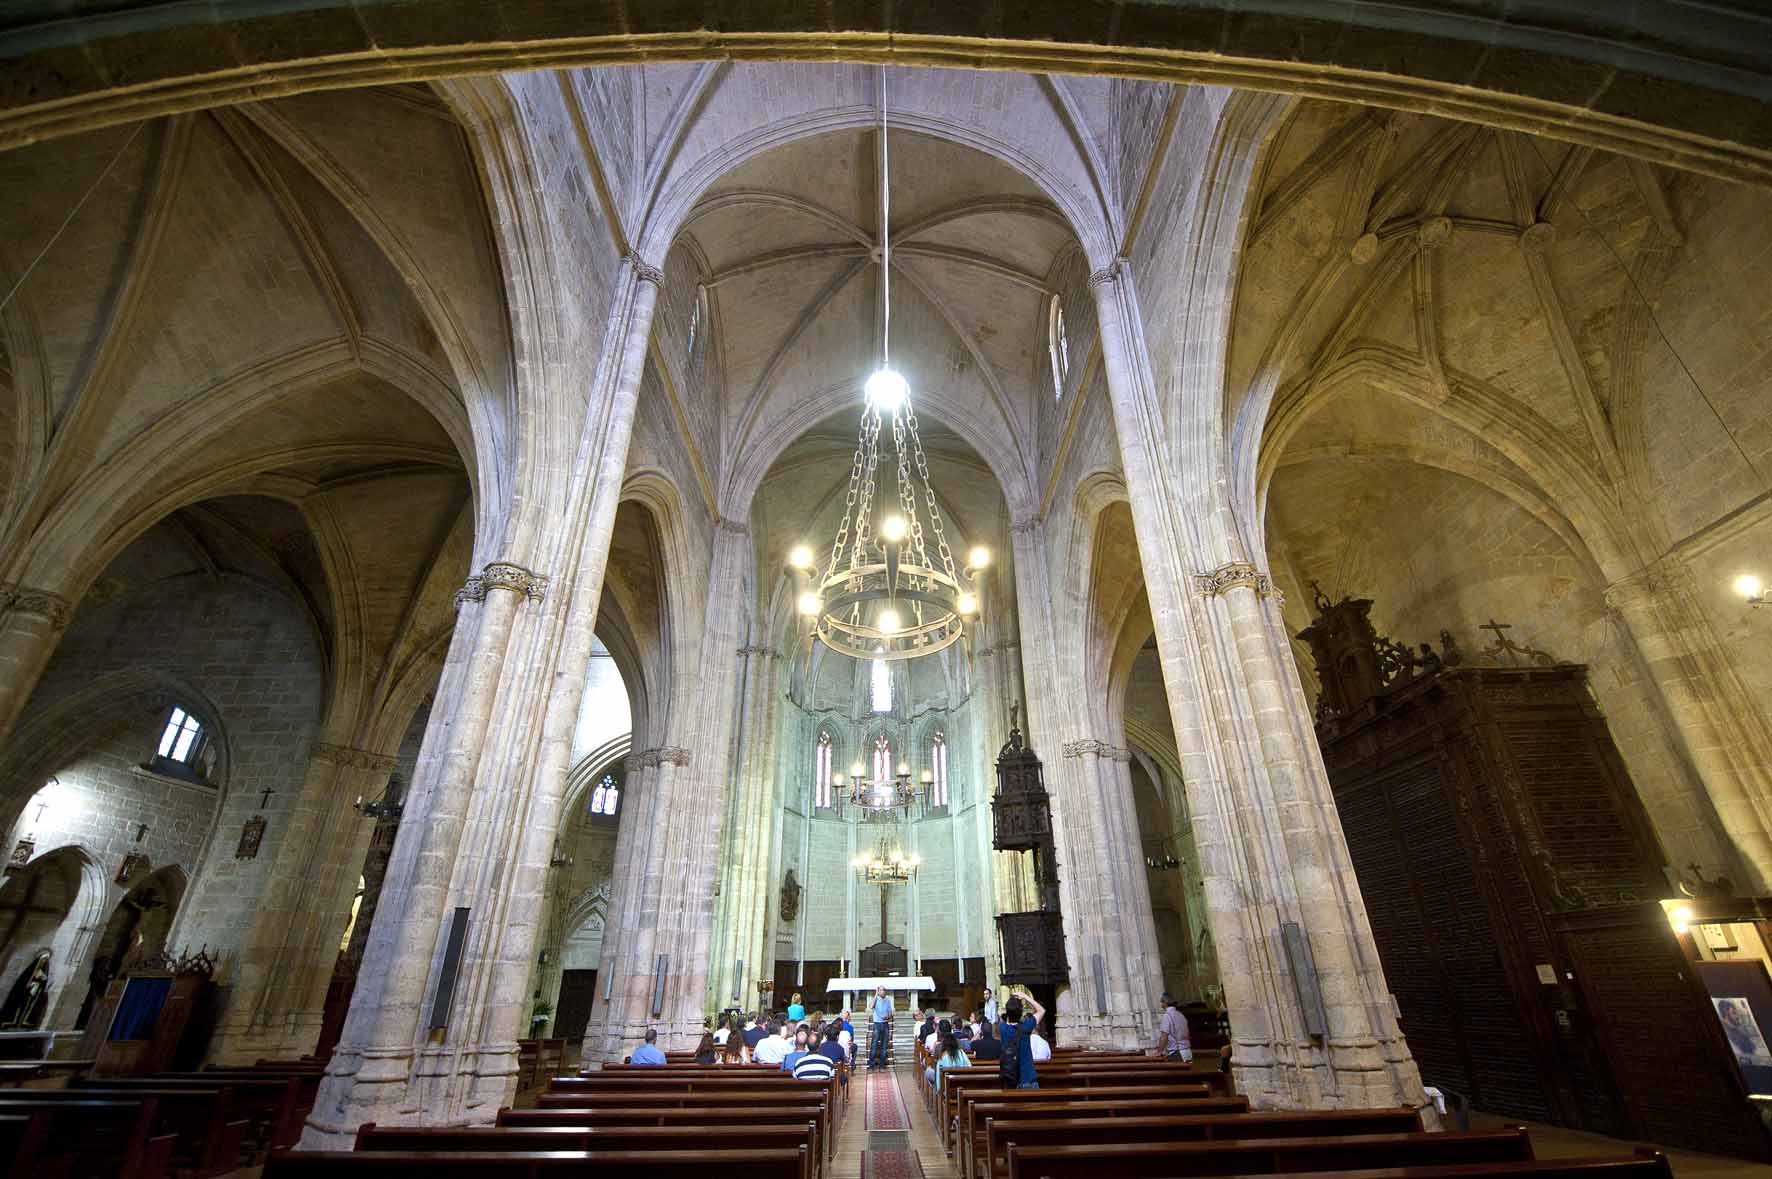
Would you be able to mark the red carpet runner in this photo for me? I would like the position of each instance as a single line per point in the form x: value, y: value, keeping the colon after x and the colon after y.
x: 888, y: 1122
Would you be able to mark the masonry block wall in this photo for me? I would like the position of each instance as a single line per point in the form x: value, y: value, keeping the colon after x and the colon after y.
x: 235, y: 652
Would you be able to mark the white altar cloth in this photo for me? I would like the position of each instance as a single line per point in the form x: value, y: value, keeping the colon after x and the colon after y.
x: 897, y: 982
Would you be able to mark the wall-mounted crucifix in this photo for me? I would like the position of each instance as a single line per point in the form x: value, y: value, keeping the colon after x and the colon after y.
x: 266, y: 800
x: 141, y: 832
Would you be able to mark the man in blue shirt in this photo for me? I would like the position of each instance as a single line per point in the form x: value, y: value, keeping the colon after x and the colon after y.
x: 1018, y: 1031
x: 648, y: 1052
x: 881, y: 1013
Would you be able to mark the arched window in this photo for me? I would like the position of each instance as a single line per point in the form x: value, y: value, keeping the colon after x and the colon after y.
x: 1059, y: 343
x: 178, y: 742
x: 821, y: 761
x: 938, y: 770
x: 882, y: 759
x: 606, y: 797
x: 882, y: 686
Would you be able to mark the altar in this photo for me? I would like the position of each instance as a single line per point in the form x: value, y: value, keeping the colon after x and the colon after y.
x: 896, y: 986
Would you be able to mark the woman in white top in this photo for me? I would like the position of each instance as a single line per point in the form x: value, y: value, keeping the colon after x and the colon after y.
x: 848, y: 1042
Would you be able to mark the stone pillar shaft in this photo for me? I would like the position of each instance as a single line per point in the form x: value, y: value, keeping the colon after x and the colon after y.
x: 1266, y: 834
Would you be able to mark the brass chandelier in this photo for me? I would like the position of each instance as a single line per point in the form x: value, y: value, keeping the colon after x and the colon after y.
x: 891, y: 588
x: 886, y: 865
x: 875, y: 795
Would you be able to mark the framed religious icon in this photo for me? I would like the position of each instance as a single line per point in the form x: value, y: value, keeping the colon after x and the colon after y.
x: 21, y: 855
x: 132, y: 863
x: 251, y: 835
x: 1741, y: 993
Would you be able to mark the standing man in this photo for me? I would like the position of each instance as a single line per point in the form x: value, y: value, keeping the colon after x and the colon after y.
x: 990, y: 1006
x: 881, y: 1015
x: 1172, y: 1039
x: 1016, y: 1065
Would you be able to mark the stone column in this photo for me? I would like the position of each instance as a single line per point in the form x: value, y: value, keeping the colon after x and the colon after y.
x: 744, y: 884
x: 279, y: 993
x: 1120, y: 927
x: 635, y: 845
x: 31, y: 623
x: 676, y: 883
x: 1269, y: 842
x: 481, y: 816
x: 1719, y: 721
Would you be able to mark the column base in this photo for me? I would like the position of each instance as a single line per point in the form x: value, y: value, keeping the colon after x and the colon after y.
x: 436, y: 1087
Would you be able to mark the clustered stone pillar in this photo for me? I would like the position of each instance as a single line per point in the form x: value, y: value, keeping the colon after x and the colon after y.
x: 31, y: 623
x: 745, y: 844
x: 478, y: 828
x: 1717, y: 717
x: 1266, y: 832
x: 659, y: 958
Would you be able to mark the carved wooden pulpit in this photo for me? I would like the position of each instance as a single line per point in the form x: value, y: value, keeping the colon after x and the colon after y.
x: 1021, y: 811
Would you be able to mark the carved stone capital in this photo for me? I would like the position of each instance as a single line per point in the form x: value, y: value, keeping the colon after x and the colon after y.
x: 760, y: 652
x: 646, y: 272
x: 356, y: 759
x: 722, y: 524
x: 1026, y: 525
x: 1113, y: 272
x: 1236, y: 575
x: 502, y: 575
x: 651, y: 758
x: 1005, y: 645
x: 22, y: 599
x: 1090, y: 746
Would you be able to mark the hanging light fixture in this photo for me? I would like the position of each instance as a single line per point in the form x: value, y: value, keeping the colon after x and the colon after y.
x: 891, y: 588
x: 886, y: 865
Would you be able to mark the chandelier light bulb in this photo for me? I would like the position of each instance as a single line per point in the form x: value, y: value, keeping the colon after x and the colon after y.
x: 886, y: 389
x: 904, y: 769
x: 838, y: 780
x: 892, y: 529
x: 888, y: 622
x: 978, y: 557
x: 927, y: 777
x: 966, y: 604
x: 801, y: 556
x: 857, y: 770
x: 1748, y: 586
x: 810, y: 604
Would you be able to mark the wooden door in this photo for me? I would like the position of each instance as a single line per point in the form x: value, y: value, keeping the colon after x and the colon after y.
x: 578, y: 990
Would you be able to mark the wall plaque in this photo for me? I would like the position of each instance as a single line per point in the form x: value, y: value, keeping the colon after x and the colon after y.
x: 251, y: 835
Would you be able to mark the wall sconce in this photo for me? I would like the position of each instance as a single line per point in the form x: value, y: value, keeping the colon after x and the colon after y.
x: 1751, y: 590
x: 1679, y: 915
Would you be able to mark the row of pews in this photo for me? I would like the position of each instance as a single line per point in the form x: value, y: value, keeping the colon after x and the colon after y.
x: 651, y: 1122
x: 196, y: 1124
x: 1133, y: 1115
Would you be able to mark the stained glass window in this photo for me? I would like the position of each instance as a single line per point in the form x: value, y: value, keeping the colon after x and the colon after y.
x: 822, y: 771
x: 606, y: 797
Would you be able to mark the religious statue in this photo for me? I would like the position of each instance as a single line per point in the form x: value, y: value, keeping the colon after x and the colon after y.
x: 790, y: 898
x: 29, y: 996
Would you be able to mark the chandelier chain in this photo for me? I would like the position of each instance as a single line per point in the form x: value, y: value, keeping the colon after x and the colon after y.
x: 941, y: 541
x: 849, y: 505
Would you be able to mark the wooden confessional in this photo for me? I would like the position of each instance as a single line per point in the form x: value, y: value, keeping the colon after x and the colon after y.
x: 1514, y: 887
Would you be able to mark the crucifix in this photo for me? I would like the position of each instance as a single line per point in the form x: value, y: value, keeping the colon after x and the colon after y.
x: 1497, y: 627
x: 141, y: 832
x: 41, y: 807
x: 266, y: 800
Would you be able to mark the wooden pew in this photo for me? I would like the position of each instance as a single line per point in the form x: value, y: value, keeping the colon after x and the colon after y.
x: 1267, y: 1156
x: 478, y: 1164
x: 272, y: 1103
x: 985, y: 1113
x: 708, y: 1079
x: 209, y: 1138
x: 686, y: 1121
x: 23, y: 1139
x: 964, y: 1130
x: 1644, y: 1164
x: 756, y: 1097
x: 307, y: 1081
x: 962, y: 1081
x: 592, y: 1138
x: 100, y: 1137
x: 1029, y: 1127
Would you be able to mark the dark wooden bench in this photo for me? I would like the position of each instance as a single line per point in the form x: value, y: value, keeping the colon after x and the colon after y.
x: 307, y: 1081
x: 592, y: 1138
x: 99, y: 1137
x: 210, y: 1139
x: 272, y: 1104
x: 1268, y: 1156
x: 959, y: 1086
x: 23, y: 1139
x: 669, y: 1097
x: 685, y: 1119
x: 479, y: 1164
x: 1036, y: 1126
x: 1645, y: 1164
x: 962, y: 1128
x: 985, y: 1112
